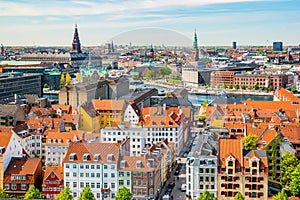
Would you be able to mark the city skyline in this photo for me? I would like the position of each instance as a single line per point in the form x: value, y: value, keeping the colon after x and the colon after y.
x: 218, y: 22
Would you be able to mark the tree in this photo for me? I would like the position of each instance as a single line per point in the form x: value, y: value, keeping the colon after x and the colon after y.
x: 109, y: 67
x: 135, y: 77
x: 206, y: 195
x: 33, y: 193
x: 78, y: 77
x: 287, y: 165
x: 256, y: 87
x: 164, y: 71
x: 281, y: 196
x: 87, y: 194
x: 123, y: 194
x: 249, y: 87
x: 205, y: 102
x: 3, y: 194
x: 270, y: 88
x: 263, y: 88
x: 250, y: 142
x: 231, y: 86
x: 65, y: 194
x: 237, y: 87
x: 295, y: 181
x: 293, y: 89
x: 62, y: 81
x: 244, y: 87
x: 68, y: 79
x: 238, y: 196
x: 224, y: 86
x: 46, y: 85
x: 150, y: 74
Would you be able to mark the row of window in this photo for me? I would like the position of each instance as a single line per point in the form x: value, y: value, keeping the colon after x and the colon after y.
x: 91, y: 175
x: 8, y: 186
x: 74, y: 166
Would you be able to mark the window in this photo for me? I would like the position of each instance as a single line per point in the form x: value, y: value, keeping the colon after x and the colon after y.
x: 112, y: 185
x: 74, y: 174
x: 87, y: 175
x: 74, y: 184
x: 81, y: 174
x: 67, y: 166
x: 98, y: 175
x: 23, y: 187
x: 74, y: 194
x: 67, y: 174
x: 105, y: 175
x: 87, y: 166
x: 6, y: 186
x: 98, y: 185
x: 121, y: 182
x: 13, y: 187
x: 92, y: 185
x: 112, y: 175
x: 92, y: 166
x: 81, y: 184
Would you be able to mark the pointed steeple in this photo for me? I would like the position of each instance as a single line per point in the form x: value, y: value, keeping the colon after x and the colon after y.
x: 195, y: 44
x: 76, y: 46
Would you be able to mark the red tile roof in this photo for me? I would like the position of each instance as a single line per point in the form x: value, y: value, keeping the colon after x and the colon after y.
x: 230, y: 147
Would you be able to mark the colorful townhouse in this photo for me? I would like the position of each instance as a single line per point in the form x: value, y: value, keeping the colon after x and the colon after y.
x: 241, y: 171
x: 9, y: 148
x: 53, y: 181
x: 21, y: 174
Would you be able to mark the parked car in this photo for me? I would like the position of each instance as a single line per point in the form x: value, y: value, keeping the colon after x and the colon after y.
x: 171, y: 185
x: 177, y: 172
x: 183, y: 188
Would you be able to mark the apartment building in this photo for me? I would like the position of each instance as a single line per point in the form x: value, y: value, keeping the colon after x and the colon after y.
x: 57, y: 144
x: 219, y: 78
x: 202, y: 166
x: 241, y: 171
x: 94, y: 165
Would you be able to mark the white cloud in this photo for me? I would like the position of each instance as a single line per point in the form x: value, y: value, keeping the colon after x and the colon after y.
x: 81, y: 7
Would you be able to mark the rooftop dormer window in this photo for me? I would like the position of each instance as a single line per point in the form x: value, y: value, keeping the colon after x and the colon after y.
x: 97, y: 157
x: 110, y: 157
x: 72, y: 156
x: 123, y: 164
x: 139, y: 164
x: 86, y: 157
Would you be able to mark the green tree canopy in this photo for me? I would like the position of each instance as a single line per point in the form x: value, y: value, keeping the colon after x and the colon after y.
x: 3, y: 194
x: 244, y: 87
x: 78, y: 77
x: 206, y: 195
x: 46, y: 85
x: 68, y: 79
x: 33, y: 193
x: 205, y: 102
x: 237, y: 87
x: 164, y: 71
x: 150, y: 74
x: 256, y: 87
x: 293, y: 89
x: 62, y: 81
x: 295, y: 181
x: 87, y: 194
x: 65, y: 194
x: 249, y: 87
x: 238, y: 196
x: 270, y: 88
x: 123, y: 194
x: 281, y: 196
x: 287, y: 165
x: 224, y: 86
x: 249, y: 142
x: 231, y: 86
x: 135, y: 77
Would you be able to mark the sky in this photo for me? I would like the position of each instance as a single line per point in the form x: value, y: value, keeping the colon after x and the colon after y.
x: 217, y: 22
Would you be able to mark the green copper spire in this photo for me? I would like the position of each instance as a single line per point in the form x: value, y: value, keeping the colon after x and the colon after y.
x: 195, y: 45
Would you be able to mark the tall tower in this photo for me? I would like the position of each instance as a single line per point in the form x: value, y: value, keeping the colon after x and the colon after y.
x: 76, y: 42
x: 195, y: 47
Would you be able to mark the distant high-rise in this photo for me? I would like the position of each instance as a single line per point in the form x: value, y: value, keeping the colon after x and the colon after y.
x: 234, y: 45
x: 195, y: 47
x: 76, y: 47
x: 277, y: 46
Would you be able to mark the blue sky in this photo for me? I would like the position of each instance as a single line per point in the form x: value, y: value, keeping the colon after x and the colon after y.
x: 218, y: 22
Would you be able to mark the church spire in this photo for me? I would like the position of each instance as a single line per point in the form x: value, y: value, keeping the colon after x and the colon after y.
x: 195, y: 45
x: 76, y: 47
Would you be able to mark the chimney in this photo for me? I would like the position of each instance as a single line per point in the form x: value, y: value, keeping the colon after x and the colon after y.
x: 164, y: 106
